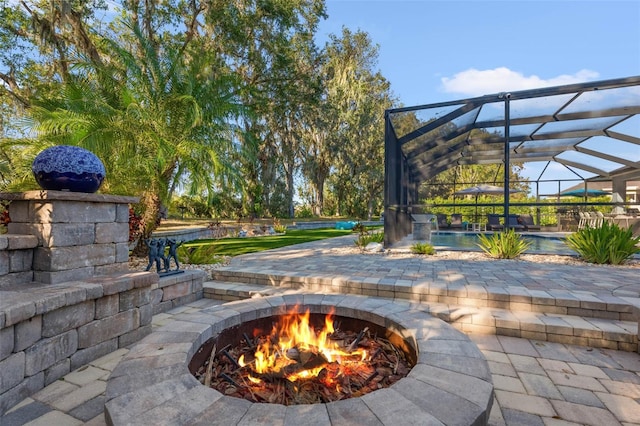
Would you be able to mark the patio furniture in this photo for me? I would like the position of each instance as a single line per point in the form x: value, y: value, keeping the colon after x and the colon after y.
x: 624, y: 221
x: 512, y: 222
x: 526, y: 220
x: 456, y: 221
x: 476, y: 226
x: 584, y: 220
x: 493, y: 222
x: 483, y: 189
x: 442, y: 221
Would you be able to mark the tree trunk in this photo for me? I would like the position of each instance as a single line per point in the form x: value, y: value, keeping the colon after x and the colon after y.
x: 320, y: 195
x: 290, y: 189
x: 151, y: 220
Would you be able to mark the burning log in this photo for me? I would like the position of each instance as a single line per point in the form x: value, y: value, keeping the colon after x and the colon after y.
x: 226, y: 377
x: 371, y: 377
x: 356, y: 341
x: 249, y: 341
x: 208, y: 375
x: 231, y: 358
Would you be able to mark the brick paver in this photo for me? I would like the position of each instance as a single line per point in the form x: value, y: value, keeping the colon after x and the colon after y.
x: 536, y: 382
x: 526, y: 403
x: 521, y: 396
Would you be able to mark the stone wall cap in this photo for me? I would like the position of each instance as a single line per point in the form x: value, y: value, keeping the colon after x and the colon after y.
x: 68, y: 196
x: 26, y: 300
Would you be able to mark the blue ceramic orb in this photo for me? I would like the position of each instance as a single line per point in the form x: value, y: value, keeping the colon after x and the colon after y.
x: 68, y: 168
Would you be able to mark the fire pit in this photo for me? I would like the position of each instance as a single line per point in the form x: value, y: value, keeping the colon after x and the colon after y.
x: 449, y: 382
x: 300, y: 358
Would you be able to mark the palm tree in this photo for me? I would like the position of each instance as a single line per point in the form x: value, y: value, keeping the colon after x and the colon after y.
x: 153, y: 115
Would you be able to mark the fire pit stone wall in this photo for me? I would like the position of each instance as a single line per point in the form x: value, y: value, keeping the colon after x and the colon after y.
x: 449, y: 384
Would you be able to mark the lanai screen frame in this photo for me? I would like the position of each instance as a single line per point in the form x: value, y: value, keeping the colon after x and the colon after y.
x: 452, y: 138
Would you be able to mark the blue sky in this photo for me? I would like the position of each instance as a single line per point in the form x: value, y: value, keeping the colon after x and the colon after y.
x: 435, y: 51
x: 428, y: 48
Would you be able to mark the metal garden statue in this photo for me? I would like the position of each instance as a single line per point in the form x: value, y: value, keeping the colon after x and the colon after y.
x: 157, y: 248
x: 173, y: 254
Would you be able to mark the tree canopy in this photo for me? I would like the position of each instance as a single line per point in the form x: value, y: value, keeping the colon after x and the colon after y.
x: 230, y: 105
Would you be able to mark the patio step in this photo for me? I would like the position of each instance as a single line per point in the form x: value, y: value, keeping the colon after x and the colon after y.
x: 515, y: 298
x: 233, y: 290
x: 551, y: 327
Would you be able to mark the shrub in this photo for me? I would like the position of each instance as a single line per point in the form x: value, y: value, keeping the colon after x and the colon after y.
x: 503, y: 245
x: 360, y: 228
x: 4, y: 218
x: 304, y: 212
x: 136, y: 225
x: 366, y: 238
x: 605, y: 244
x: 423, y: 248
x: 199, y: 255
x: 279, y: 227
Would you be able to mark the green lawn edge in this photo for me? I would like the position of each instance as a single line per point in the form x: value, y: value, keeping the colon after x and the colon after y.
x: 244, y: 245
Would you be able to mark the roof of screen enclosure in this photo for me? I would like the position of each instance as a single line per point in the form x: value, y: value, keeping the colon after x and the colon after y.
x: 590, y: 127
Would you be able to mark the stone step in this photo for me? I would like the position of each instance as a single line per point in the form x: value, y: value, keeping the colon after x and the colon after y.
x: 514, y: 298
x: 234, y: 290
x: 544, y: 326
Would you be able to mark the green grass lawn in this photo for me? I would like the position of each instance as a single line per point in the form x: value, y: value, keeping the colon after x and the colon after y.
x: 238, y: 246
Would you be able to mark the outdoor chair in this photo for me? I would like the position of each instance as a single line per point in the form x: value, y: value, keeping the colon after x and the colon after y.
x: 493, y: 223
x: 584, y: 220
x: 512, y: 222
x: 456, y: 221
x: 526, y: 220
x: 442, y: 221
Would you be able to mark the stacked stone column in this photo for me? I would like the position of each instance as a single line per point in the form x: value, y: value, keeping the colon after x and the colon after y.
x: 79, y: 235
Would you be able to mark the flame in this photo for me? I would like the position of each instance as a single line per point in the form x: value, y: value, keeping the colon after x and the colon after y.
x: 296, y: 335
x: 254, y: 379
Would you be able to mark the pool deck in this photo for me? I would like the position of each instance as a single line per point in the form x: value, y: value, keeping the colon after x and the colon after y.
x: 525, y: 317
x: 561, y: 249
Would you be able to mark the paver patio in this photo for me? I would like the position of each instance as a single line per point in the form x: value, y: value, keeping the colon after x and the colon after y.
x: 537, y: 381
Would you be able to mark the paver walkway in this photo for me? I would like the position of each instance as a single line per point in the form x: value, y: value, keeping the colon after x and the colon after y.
x: 322, y: 259
x: 536, y: 382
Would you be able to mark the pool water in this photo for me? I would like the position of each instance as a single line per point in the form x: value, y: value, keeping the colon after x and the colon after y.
x: 469, y: 241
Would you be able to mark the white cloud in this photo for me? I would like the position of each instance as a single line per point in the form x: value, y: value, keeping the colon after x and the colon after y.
x: 473, y: 82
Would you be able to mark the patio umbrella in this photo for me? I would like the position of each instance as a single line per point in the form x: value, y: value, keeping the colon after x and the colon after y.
x: 583, y: 193
x: 483, y: 189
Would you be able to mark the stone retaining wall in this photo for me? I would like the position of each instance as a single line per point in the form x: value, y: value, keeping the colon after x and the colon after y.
x: 67, y: 296
x: 189, y: 234
x: 176, y: 290
x: 46, y: 331
x: 329, y: 224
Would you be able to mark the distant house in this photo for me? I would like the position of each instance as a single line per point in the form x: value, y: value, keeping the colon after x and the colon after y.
x: 632, y: 196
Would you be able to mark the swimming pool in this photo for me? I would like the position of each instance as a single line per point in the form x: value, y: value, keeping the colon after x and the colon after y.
x: 468, y: 241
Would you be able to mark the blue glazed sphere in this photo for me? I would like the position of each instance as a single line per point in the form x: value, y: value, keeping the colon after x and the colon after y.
x: 68, y: 168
